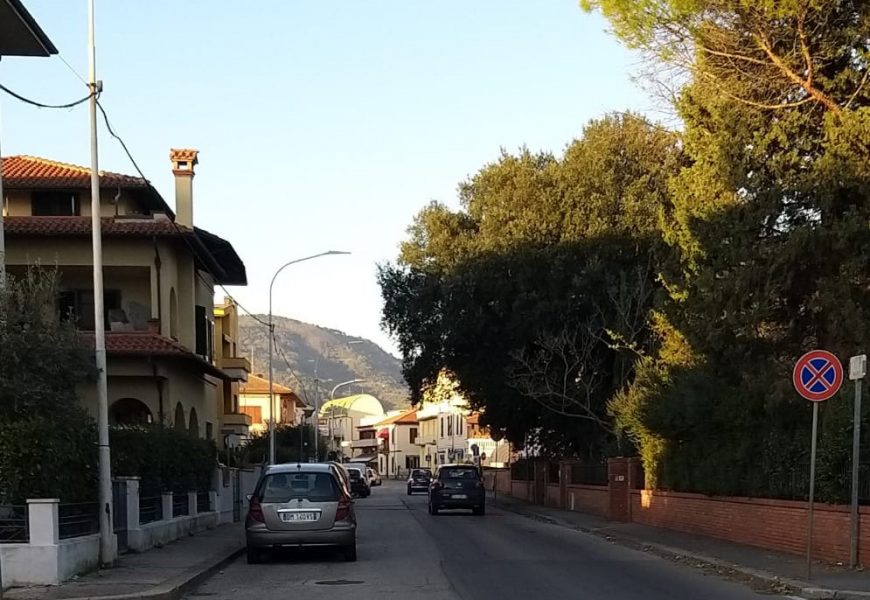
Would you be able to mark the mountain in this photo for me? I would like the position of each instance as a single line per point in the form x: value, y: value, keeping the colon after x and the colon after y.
x: 337, y: 356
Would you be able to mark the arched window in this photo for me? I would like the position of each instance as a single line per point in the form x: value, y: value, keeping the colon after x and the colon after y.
x: 193, y: 425
x: 173, y: 314
x: 179, y: 422
x: 129, y: 411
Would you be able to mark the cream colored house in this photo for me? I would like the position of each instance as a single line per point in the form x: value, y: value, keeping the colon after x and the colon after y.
x: 397, y: 452
x: 254, y: 402
x: 160, y: 273
x: 234, y: 424
x: 340, y: 420
x: 443, y: 432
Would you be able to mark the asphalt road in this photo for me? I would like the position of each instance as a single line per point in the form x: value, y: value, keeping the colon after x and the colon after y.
x: 406, y: 553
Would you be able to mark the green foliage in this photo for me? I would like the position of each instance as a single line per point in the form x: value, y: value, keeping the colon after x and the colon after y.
x: 166, y: 460
x: 287, y: 445
x: 768, y: 223
x: 47, y: 441
x: 535, y: 294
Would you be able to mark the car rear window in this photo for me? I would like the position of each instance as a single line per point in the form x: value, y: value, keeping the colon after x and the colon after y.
x: 283, y: 487
x: 355, y: 474
x: 458, y: 473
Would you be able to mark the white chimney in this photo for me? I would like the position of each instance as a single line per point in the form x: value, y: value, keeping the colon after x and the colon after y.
x: 184, y: 162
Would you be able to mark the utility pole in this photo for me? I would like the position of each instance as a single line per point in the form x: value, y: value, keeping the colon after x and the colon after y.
x: 107, y: 542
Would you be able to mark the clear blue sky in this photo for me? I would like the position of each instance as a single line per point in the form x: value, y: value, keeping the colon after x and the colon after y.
x: 321, y: 124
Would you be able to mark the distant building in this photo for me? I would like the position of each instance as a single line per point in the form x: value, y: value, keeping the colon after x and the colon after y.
x: 233, y: 422
x: 442, y: 424
x: 254, y: 402
x: 396, y: 437
x: 491, y: 453
x: 340, y: 419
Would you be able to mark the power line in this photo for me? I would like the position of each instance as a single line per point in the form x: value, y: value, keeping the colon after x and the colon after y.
x: 120, y: 140
x: 290, y: 368
x: 41, y: 104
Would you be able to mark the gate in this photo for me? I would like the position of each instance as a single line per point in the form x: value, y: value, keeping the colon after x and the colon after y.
x: 119, y: 513
x: 237, y: 495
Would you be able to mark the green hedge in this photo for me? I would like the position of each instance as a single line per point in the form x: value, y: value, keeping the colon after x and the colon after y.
x: 164, y: 459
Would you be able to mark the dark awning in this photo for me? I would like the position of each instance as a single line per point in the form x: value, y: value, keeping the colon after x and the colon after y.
x: 20, y: 35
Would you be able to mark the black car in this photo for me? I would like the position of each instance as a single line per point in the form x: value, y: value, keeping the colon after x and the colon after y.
x: 457, y: 486
x: 359, y: 486
x: 419, y: 480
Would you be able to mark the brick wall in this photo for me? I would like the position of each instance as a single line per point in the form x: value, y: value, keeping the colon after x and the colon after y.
x: 772, y: 524
x: 592, y: 499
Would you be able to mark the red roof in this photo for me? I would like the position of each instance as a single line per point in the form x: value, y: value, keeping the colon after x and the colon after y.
x: 146, y: 343
x: 35, y: 172
x: 260, y: 385
x: 408, y: 417
x: 111, y: 226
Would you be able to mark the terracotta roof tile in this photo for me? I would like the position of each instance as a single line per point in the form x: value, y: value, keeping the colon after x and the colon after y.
x: 35, y: 172
x: 258, y: 385
x: 138, y: 342
x: 408, y: 417
x: 146, y: 343
x: 118, y: 226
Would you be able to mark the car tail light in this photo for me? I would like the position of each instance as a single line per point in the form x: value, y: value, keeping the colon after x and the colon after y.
x: 255, y: 511
x: 343, y: 510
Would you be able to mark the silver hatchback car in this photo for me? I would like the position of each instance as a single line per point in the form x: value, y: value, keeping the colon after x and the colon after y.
x: 299, y: 505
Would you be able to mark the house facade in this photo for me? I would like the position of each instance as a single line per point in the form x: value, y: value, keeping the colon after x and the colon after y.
x: 443, y: 433
x: 234, y: 424
x: 340, y: 420
x: 490, y: 453
x: 159, y: 272
x: 254, y: 403
x: 398, y: 451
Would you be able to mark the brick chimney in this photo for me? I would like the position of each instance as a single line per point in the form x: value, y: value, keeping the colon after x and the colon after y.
x: 184, y: 162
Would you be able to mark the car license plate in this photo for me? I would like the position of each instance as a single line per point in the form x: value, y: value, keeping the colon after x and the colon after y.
x: 459, y: 496
x: 297, y: 517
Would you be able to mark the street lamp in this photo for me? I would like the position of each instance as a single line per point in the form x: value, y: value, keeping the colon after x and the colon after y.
x: 332, y: 407
x: 271, y: 342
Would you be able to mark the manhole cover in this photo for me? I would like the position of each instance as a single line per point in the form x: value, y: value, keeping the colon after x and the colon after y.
x: 338, y: 582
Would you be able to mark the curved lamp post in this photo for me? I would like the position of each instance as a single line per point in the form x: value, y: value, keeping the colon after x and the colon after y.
x: 271, y: 342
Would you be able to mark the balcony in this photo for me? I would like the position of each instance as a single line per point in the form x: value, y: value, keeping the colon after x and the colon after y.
x: 425, y: 440
x: 238, y: 423
x: 236, y: 368
x: 370, y: 443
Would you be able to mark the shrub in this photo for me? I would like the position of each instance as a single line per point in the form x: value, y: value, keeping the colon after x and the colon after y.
x: 164, y: 459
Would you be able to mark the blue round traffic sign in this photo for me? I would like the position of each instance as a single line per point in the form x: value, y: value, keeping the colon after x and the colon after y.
x: 817, y: 375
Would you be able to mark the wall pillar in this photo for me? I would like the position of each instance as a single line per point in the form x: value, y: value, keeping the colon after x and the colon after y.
x: 619, y: 508
x: 564, y: 480
x: 191, y: 504
x: 42, y: 521
x: 166, y: 498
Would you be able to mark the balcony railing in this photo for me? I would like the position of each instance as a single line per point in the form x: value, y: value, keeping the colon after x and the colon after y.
x: 236, y: 368
x: 369, y: 443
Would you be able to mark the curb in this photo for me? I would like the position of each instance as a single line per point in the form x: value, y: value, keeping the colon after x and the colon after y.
x: 792, y: 586
x: 178, y: 586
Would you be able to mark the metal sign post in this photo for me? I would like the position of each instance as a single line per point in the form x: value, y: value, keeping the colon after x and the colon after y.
x: 817, y: 376
x: 857, y: 372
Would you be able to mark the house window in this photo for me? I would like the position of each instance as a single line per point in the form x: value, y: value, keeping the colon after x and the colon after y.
x: 54, y: 204
x: 255, y: 412
x: 450, y: 425
x: 209, y: 431
x: 204, y: 333
x: 412, y: 435
x: 79, y: 306
x: 441, y: 420
x: 367, y: 435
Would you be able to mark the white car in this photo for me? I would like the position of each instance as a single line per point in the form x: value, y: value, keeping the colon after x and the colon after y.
x: 373, y: 476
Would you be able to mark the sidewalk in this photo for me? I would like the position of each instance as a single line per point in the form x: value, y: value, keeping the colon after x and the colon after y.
x: 160, y: 574
x: 776, y: 571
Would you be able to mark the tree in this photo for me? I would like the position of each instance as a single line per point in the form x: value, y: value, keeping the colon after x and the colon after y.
x: 767, y: 222
x: 293, y: 443
x: 542, y: 248
x: 47, y: 441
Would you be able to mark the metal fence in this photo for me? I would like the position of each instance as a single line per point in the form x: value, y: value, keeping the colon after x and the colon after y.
x: 13, y: 525
x: 150, y: 509
x: 203, y: 502
x: 553, y: 474
x: 523, y: 470
x: 76, y: 520
x: 589, y: 474
x: 180, y: 505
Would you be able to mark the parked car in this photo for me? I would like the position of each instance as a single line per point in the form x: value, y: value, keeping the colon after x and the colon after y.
x: 359, y: 486
x: 374, y: 477
x: 418, y: 480
x: 300, y: 504
x: 457, y: 486
x: 343, y: 475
